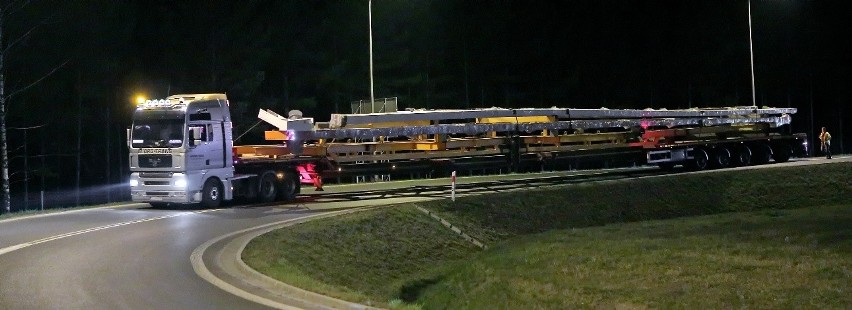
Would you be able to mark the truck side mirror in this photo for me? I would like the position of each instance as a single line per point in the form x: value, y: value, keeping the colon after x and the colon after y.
x: 129, y: 144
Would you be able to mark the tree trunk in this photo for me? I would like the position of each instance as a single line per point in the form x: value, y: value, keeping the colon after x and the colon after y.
x: 3, y: 149
x: 108, y: 166
x: 26, y: 174
x: 79, y: 134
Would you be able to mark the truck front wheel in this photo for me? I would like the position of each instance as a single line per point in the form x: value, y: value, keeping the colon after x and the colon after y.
x: 211, y: 194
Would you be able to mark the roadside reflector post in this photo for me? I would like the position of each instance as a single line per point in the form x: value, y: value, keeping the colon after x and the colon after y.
x: 453, y: 187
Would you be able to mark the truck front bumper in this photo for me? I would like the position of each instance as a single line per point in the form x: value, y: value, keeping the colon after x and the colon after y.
x: 165, y: 196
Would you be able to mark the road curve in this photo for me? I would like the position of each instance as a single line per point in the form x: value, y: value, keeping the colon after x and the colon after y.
x: 134, y: 256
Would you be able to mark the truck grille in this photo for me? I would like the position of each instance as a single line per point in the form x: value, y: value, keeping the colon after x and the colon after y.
x: 155, y: 175
x: 157, y: 183
x: 155, y: 160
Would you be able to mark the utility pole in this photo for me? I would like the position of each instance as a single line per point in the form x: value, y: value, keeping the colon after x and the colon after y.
x: 751, y: 53
x: 370, y: 17
x: 811, y: 114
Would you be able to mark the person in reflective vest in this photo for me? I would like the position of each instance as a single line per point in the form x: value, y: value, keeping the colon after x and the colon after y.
x: 825, y: 143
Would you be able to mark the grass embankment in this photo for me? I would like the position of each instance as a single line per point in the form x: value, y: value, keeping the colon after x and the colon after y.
x: 766, y: 255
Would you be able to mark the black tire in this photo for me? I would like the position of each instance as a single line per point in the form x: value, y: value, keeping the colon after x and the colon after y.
x: 781, y: 153
x: 700, y: 160
x: 743, y: 157
x: 762, y: 154
x: 211, y: 193
x: 721, y: 157
x: 267, y: 187
x: 288, y: 187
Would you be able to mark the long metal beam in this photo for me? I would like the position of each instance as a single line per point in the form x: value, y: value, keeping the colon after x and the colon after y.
x: 472, y: 128
x: 354, y: 120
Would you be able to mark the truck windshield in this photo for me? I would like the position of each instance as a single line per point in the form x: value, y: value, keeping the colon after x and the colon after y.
x: 157, y: 133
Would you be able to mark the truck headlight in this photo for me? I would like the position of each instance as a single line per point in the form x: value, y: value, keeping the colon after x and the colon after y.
x: 180, y: 183
x: 134, y: 183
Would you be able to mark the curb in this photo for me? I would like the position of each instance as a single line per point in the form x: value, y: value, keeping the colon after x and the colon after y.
x: 230, y: 261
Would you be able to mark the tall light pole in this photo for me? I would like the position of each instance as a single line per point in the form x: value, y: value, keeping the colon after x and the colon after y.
x: 370, y: 17
x: 751, y: 52
x: 811, y: 114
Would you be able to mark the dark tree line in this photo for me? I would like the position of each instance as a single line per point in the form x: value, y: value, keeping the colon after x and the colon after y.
x: 313, y: 56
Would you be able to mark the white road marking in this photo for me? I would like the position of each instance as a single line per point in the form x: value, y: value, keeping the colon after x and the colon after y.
x: 94, y: 229
x: 27, y: 217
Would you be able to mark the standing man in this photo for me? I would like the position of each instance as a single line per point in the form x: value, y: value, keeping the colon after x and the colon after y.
x: 825, y: 140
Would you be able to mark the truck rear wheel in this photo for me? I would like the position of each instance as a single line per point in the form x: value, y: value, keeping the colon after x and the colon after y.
x: 211, y: 194
x: 721, y: 157
x: 288, y: 187
x: 267, y: 190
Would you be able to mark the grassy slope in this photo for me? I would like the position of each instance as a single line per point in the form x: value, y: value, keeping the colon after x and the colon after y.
x: 369, y: 257
x: 763, y: 259
x: 399, y: 253
x: 499, y: 216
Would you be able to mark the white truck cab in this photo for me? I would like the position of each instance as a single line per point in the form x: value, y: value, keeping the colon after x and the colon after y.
x: 180, y: 150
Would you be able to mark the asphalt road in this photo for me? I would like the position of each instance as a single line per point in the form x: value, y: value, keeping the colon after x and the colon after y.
x: 137, y: 257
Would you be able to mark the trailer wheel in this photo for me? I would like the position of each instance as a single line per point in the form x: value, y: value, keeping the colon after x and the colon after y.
x: 699, y: 161
x: 288, y: 187
x: 721, y: 157
x: 781, y: 153
x: 762, y: 154
x: 266, y: 187
x: 211, y: 194
x: 743, y: 157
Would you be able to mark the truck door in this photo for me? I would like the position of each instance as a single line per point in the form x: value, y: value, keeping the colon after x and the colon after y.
x: 216, y: 146
x: 207, y: 153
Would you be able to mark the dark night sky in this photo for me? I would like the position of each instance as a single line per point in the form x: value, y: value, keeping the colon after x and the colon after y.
x: 313, y: 55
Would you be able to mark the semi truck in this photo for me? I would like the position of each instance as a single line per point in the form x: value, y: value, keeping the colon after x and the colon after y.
x: 182, y: 148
